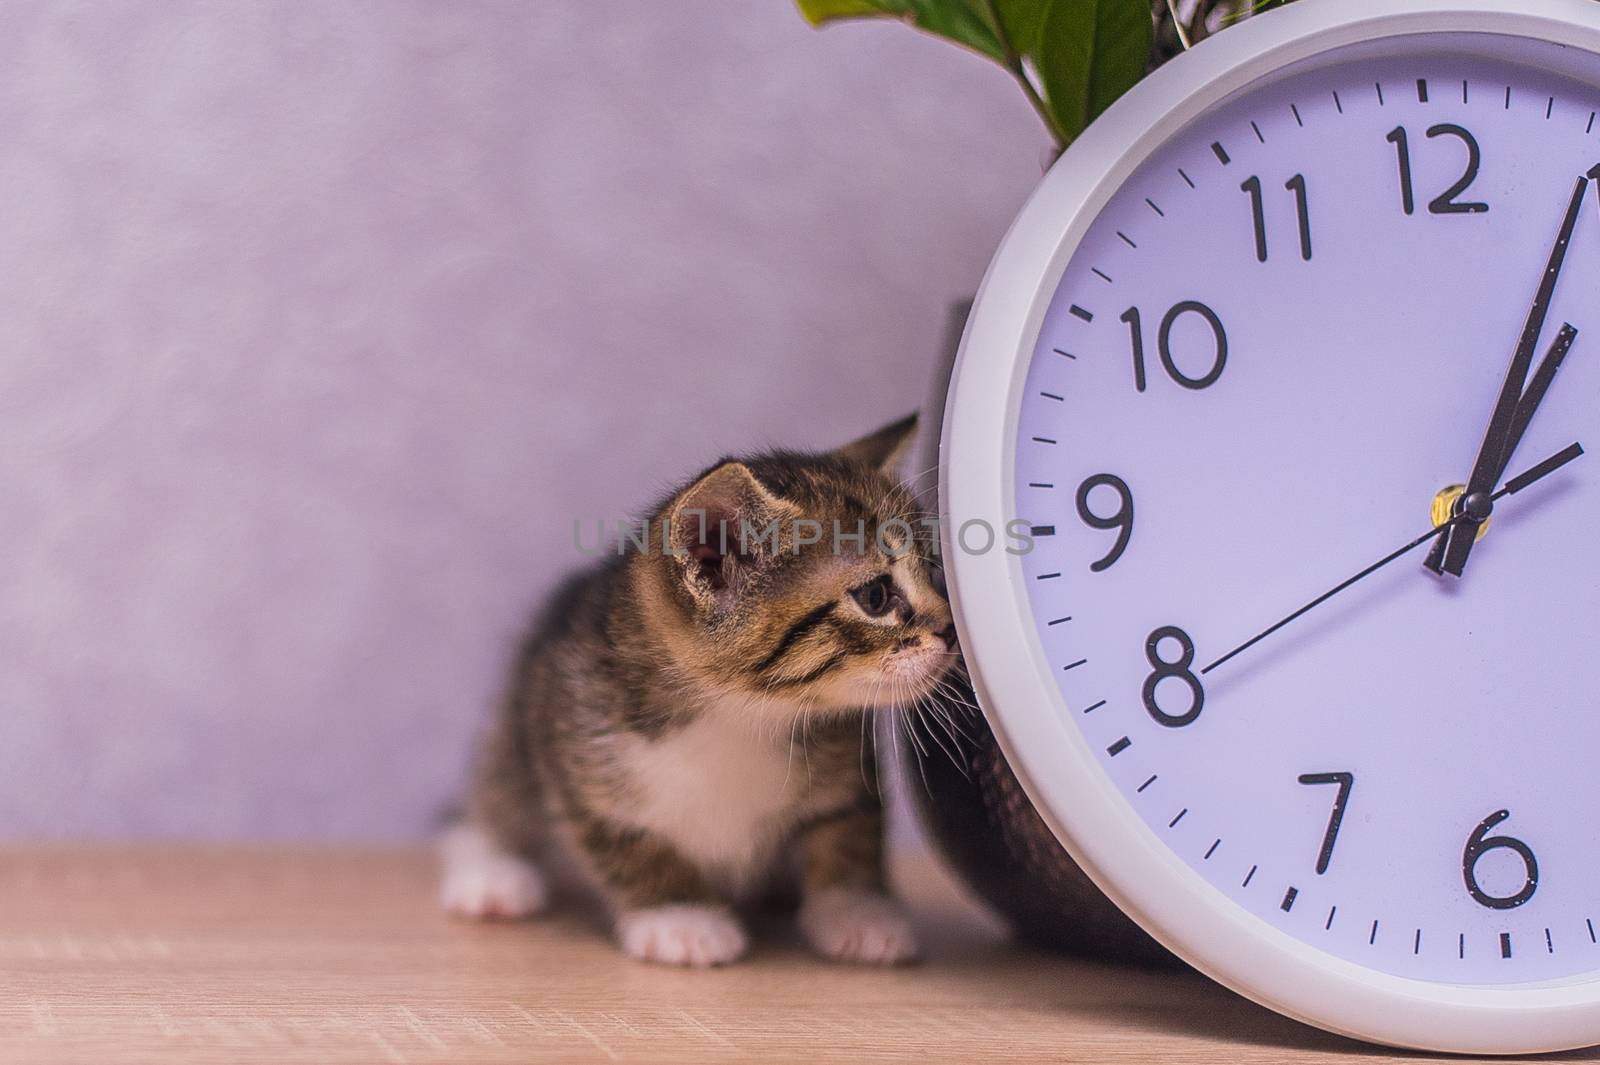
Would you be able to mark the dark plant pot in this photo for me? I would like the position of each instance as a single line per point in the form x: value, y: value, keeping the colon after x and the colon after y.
x: 981, y: 820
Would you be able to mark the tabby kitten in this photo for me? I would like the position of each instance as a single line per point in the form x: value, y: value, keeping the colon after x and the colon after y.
x: 687, y: 719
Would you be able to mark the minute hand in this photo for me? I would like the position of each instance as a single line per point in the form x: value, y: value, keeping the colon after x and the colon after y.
x: 1531, y: 476
x: 1498, y: 442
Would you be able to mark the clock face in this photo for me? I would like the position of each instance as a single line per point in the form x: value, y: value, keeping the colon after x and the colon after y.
x: 1277, y: 346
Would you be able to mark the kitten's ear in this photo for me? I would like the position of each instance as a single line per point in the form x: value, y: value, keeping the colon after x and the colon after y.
x: 709, y: 522
x: 884, y: 450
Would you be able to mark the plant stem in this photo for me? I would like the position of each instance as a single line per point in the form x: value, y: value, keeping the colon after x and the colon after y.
x: 1013, y: 63
x: 1178, y: 26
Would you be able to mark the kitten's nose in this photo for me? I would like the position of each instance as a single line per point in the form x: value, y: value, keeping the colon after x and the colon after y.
x: 948, y: 635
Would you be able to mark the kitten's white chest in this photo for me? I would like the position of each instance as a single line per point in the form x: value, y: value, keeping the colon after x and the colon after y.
x: 719, y: 790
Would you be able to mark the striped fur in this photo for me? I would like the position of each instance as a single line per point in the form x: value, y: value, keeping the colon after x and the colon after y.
x: 688, y: 723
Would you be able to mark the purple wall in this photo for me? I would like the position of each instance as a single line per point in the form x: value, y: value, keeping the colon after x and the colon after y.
x: 323, y: 321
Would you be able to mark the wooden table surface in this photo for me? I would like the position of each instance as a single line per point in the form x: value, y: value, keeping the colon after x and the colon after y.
x: 282, y: 955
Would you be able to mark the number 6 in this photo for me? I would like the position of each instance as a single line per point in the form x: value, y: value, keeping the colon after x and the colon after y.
x: 1478, y: 844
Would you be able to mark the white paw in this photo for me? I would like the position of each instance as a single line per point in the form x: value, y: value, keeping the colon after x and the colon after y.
x: 695, y: 935
x: 858, y: 926
x: 484, y: 882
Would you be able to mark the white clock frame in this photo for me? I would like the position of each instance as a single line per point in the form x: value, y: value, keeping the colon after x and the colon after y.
x: 1056, y: 767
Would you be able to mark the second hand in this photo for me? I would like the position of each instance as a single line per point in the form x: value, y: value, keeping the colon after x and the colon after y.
x: 1512, y: 487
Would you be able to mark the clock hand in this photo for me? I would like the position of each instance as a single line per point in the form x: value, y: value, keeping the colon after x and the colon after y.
x: 1497, y: 443
x: 1546, y: 373
x: 1526, y: 406
x: 1516, y: 484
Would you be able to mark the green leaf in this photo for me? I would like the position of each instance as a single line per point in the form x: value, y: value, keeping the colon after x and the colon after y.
x: 1022, y: 21
x: 818, y: 12
x: 1090, y: 52
x: 966, y: 22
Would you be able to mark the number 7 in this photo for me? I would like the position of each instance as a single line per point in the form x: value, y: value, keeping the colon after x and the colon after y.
x: 1346, y: 781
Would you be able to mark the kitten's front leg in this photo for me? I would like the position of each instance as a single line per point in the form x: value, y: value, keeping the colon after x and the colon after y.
x: 484, y: 880
x: 665, y: 912
x: 847, y: 914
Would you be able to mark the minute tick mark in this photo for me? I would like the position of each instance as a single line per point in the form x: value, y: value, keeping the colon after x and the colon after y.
x: 1052, y: 395
x: 1189, y: 180
x: 1126, y: 239
x: 1074, y: 665
x: 1297, y: 119
x: 1251, y: 875
x: 1211, y: 849
x: 1155, y: 208
x: 1064, y: 354
x: 1379, y: 86
x: 1147, y: 783
x: 1101, y: 274
x: 1259, y: 137
x: 1096, y: 706
x: 1174, y: 822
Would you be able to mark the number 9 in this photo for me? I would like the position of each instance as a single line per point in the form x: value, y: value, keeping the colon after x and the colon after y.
x: 1122, y: 520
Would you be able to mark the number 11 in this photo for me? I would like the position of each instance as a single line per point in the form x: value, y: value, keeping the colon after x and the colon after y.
x: 1258, y: 210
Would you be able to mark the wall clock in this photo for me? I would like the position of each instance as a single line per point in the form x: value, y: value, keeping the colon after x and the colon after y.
x: 1288, y: 368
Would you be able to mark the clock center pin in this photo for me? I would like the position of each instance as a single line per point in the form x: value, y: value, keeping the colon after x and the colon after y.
x: 1449, y: 503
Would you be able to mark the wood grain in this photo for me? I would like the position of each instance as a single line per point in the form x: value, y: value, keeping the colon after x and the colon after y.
x: 283, y: 955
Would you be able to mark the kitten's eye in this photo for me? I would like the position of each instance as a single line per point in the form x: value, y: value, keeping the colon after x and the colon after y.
x: 875, y: 597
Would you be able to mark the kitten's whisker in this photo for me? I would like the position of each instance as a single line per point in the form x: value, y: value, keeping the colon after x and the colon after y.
x: 948, y: 717
x: 805, y: 748
x: 912, y: 734
x: 788, y: 765
x: 958, y: 692
x: 861, y: 758
x: 928, y: 713
x: 926, y: 720
x: 922, y: 768
x: 965, y: 710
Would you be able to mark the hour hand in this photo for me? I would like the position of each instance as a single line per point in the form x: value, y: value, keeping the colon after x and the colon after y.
x: 1498, y: 445
x: 1450, y: 551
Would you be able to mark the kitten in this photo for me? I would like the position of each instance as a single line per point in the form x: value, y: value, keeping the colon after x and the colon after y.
x: 688, y: 721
